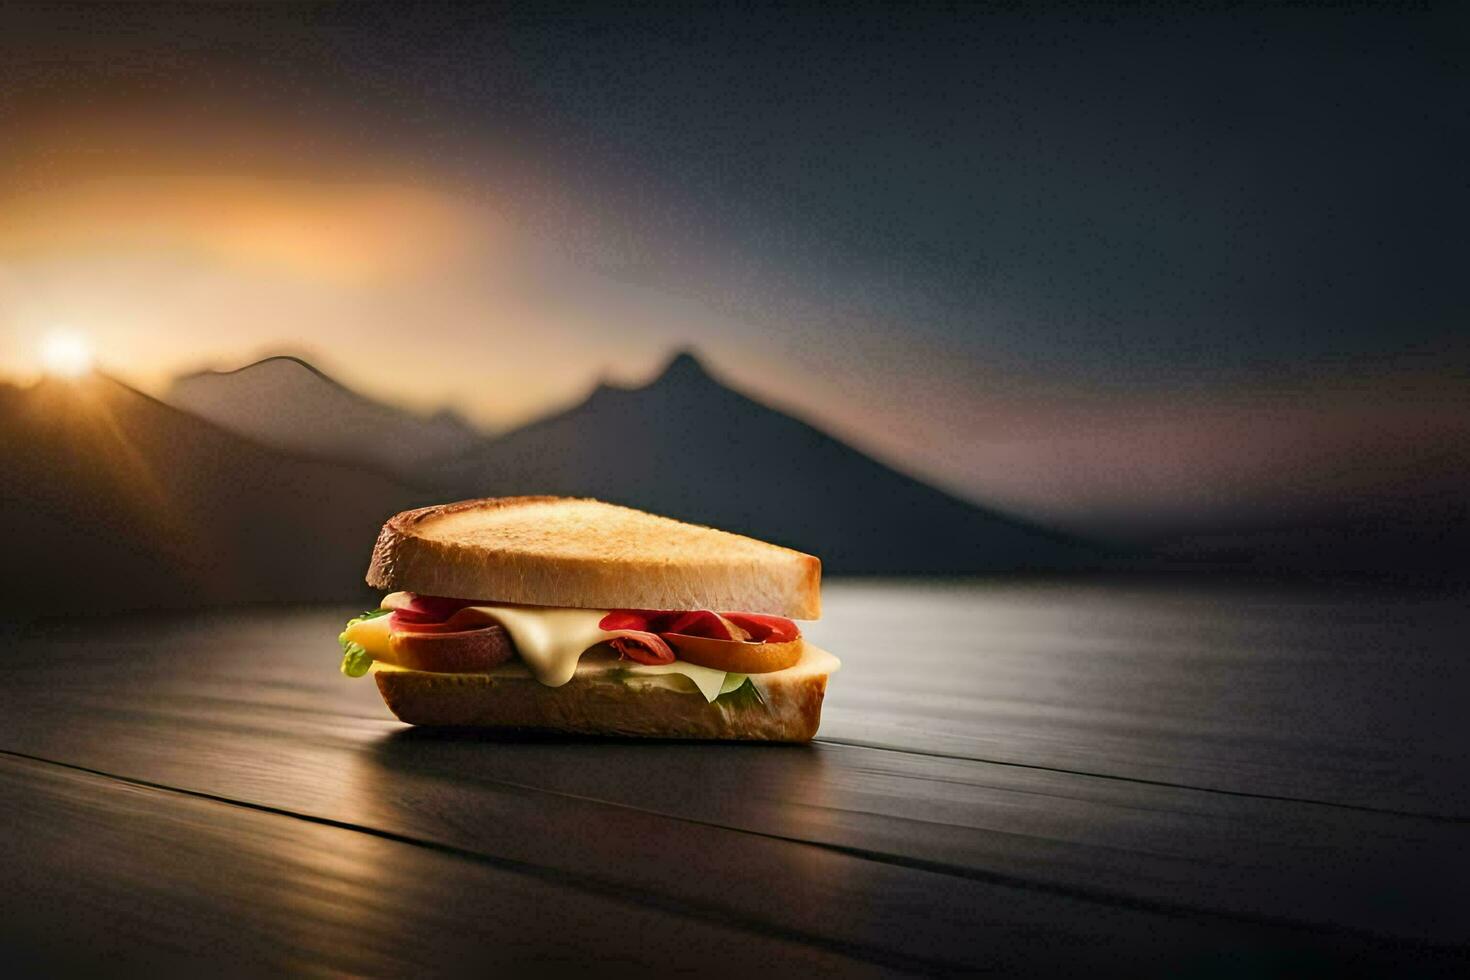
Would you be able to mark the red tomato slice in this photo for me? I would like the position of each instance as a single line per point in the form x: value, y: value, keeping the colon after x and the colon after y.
x: 703, y: 622
x: 626, y: 619
x: 766, y: 629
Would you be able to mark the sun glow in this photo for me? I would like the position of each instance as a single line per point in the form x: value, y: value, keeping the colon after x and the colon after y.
x: 66, y: 355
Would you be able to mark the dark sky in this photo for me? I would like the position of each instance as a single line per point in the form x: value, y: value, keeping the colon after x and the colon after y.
x: 1130, y: 194
x: 1032, y: 218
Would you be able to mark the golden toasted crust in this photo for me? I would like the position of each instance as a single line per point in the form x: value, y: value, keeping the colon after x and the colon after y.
x: 563, y: 551
x: 592, y: 706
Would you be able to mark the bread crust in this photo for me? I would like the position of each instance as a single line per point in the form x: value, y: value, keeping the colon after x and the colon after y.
x: 593, y: 706
x: 588, y: 554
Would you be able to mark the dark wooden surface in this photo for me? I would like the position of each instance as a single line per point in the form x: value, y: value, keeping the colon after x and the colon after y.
x: 1019, y: 779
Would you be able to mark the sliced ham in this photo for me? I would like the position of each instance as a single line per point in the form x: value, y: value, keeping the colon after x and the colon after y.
x: 468, y: 651
x: 459, y: 634
x: 642, y: 647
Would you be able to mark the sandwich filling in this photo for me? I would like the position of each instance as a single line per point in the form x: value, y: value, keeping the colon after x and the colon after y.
x: 719, y: 653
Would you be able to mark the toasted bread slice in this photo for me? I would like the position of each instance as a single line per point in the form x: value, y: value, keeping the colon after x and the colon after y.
x: 562, y: 551
x: 790, y: 712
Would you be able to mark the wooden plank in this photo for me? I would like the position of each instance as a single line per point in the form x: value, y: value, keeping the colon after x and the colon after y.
x: 116, y: 875
x: 101, y: 875
x: 1255, y: 859
x: 253, y: 714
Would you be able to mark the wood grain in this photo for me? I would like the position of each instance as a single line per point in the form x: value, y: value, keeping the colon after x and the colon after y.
x: 103, y: 875
x: 1350, y: 695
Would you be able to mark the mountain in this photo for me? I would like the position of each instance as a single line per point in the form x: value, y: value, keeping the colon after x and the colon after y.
x: 286, y: 403
x: 115, y: 500
x: 686, y: 445
x: 689, y: 446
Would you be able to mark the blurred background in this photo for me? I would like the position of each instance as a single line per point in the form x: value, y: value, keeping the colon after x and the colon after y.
x: 996, y: 289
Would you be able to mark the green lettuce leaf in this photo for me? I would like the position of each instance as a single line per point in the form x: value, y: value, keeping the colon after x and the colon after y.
x: 370, y: 614
x: 356, y: 661
x: 747, y: 695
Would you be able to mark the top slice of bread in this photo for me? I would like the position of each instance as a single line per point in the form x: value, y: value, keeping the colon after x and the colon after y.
x: 562, y: 551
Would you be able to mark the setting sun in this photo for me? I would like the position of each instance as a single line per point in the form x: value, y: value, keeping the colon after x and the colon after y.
x: 66, y: 355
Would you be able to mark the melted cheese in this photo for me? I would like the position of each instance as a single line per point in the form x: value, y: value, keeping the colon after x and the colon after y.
x: 551, y: 641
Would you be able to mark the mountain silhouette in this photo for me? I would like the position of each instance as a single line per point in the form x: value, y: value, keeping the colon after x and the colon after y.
x: 116, y: 500
x: 287, y: 403
x: 691, y: 447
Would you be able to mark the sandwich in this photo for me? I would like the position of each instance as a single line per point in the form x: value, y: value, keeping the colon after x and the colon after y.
x: 554, y: 614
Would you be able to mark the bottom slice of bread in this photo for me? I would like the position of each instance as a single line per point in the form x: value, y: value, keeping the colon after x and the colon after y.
x: 791, y: 711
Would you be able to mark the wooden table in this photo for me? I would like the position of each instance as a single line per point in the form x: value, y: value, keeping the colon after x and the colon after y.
x: 1020, y: 779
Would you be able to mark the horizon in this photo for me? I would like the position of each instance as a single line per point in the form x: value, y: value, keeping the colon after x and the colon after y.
x: 1151, y: 525
x: 1191, y: 543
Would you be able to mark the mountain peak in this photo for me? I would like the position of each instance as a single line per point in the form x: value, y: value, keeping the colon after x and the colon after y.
x: 684, y: 367
x: 264, y: 364
x: 286, y: 402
